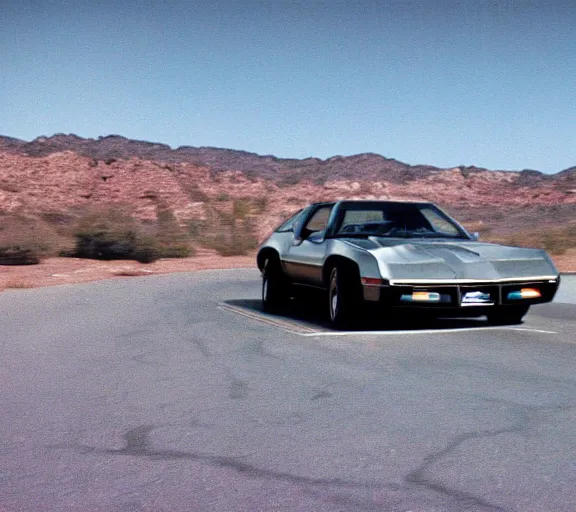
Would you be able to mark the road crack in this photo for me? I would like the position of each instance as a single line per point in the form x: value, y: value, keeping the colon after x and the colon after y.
x: 137, y: 444
x: 527, y: 417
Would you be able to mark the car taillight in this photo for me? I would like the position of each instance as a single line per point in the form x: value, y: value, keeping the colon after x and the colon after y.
x: 371, y: 281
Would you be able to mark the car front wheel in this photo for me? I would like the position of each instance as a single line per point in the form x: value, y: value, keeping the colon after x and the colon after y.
x: 343, y: 298
x: 507, y: 315
x: 275, y: 288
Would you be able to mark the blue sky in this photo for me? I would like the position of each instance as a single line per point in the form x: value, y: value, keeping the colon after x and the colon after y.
x: 489, y: 83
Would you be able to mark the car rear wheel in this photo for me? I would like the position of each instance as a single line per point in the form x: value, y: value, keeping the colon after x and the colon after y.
x: 507, y: 315
x: 275, y: 286
x: 343, y: 297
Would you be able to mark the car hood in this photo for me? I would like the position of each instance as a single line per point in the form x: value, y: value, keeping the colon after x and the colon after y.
x: 431, y: 260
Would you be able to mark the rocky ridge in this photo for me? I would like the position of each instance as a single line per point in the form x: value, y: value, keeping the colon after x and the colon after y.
x: 64, y: 172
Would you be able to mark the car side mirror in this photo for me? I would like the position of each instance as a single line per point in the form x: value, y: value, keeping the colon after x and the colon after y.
x: 316, y: 237
x: 475, y: 236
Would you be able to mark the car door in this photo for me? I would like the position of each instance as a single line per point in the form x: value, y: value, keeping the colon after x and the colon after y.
x: 305, y: 256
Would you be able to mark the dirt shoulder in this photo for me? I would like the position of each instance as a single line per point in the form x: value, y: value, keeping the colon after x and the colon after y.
x: 566, y: 262
x: 54, y: 271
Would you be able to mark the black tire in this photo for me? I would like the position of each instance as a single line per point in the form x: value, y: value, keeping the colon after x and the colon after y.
x: 344, y: 297
x: 506, y: 315
x: 275, y: 286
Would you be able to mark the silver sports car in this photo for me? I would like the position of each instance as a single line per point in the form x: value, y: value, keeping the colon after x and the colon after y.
x: 405, y: 255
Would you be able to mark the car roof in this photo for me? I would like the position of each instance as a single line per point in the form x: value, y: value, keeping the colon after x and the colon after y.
x: 359, y: 204
x: 376, y: 203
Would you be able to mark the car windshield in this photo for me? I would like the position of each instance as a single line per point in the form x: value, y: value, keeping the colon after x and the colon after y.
x: 397, y: 220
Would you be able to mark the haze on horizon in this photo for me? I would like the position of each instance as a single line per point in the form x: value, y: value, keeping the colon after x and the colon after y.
x: 490, y: 83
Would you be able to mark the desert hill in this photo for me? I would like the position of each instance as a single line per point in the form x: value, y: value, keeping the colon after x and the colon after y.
x: 65, y: 173
x: 365, y: 166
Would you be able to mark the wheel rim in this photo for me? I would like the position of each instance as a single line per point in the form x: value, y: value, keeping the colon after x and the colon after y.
x: 265, y: 289
x: 334, y: 305
x: 333, y: 298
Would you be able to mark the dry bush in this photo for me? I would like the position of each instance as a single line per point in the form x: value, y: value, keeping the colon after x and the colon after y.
x: 173, y: 239
x: 556, y: 241
x: 114, y: 234
x: 559, y: 242
x: 241, y: 208
x: 8, y: 186
x: 261, y: 204
x: 60, y: 221
x: 288, y: 180
x: 25, y: 240
x: 229, y: 233
x: 18, y: 285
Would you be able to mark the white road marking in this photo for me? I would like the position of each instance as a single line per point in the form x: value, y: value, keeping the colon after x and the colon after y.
x: 530, y: 330
x: 286, y: 325
x: 302, y: 330
x: 421, y: 331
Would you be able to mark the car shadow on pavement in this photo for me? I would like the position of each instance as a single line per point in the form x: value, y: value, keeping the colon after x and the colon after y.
x: 311, y: 314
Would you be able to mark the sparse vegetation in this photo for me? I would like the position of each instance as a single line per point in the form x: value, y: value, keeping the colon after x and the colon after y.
x: 112, y: 234
x: 194, y: 192
x: 25, y: 240
x: 261, y: 203
x: 291, y: 179
x: 17, y: 285
x: 173, y: 239
x: 7, y: 186
x: 229, y: 233
x: 555, y: 241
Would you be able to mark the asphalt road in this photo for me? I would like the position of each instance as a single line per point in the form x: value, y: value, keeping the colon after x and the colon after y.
x: 173, y: 393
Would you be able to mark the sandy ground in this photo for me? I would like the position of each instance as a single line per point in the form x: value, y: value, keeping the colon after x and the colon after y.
x: 55, y: 271
x: 566, y: 262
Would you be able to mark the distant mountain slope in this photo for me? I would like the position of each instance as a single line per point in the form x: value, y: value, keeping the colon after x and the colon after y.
x: 366, y: 166
x: 66, y: 172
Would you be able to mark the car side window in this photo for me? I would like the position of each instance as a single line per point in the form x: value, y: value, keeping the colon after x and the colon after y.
x: 360, y: 220
x: 288, y: 225
x: 439, y: 223
x: 318, y: 221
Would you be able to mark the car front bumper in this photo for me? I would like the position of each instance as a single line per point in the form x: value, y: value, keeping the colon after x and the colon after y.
x: 462, y: 294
